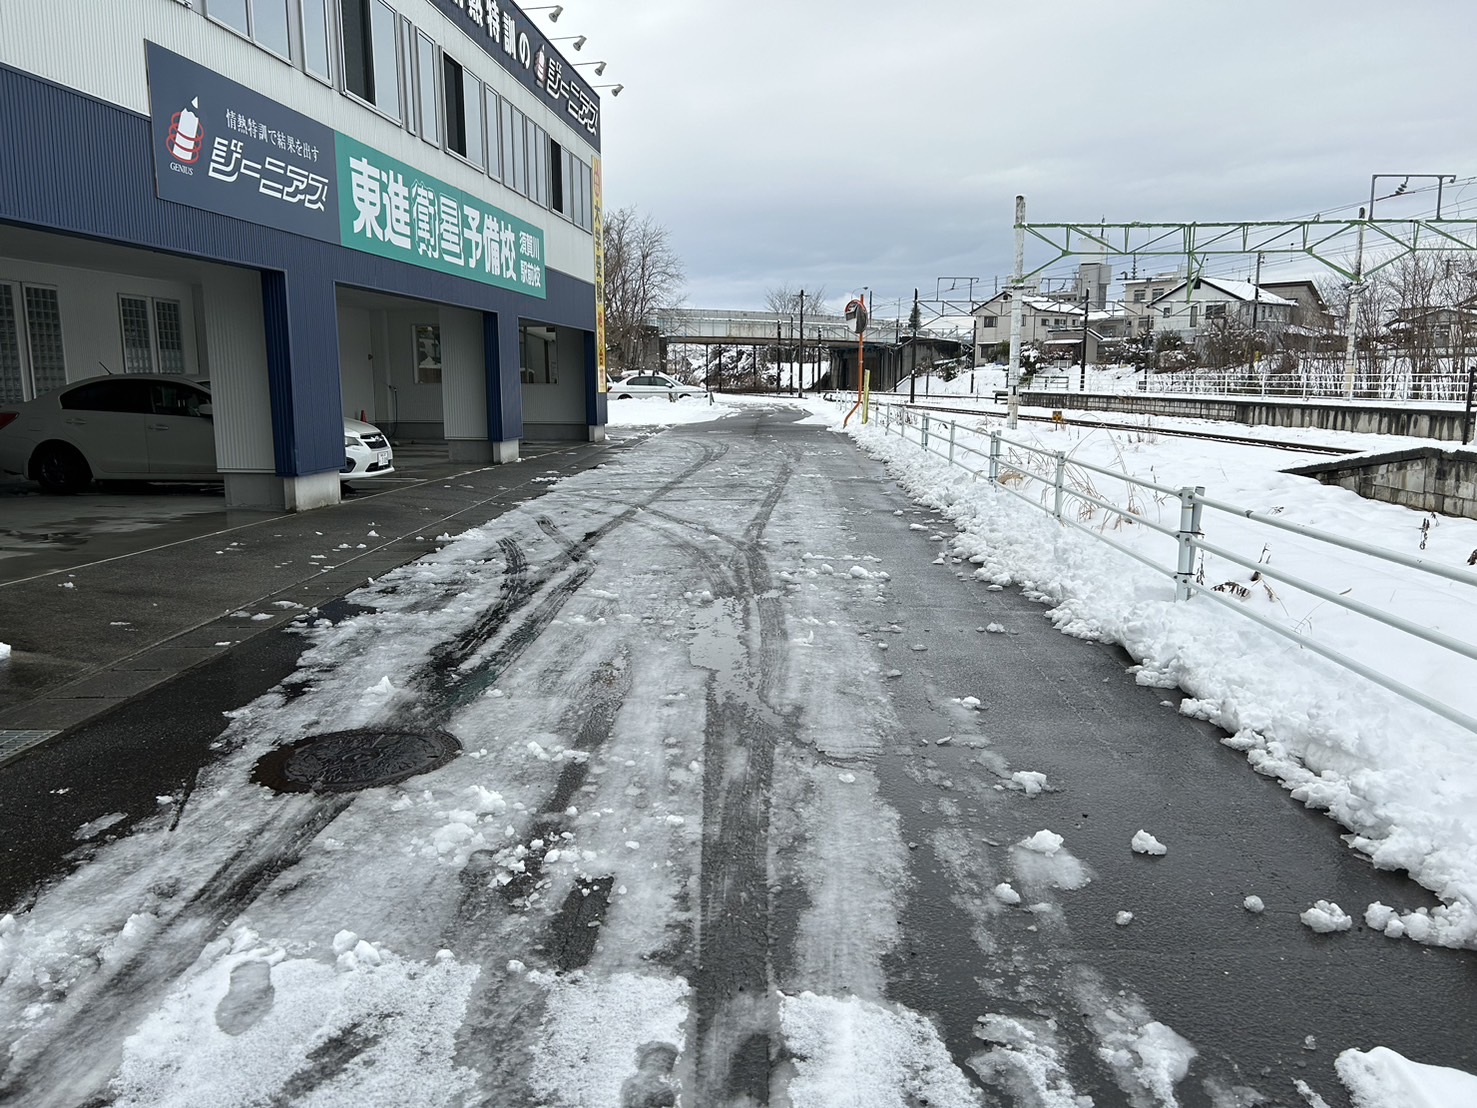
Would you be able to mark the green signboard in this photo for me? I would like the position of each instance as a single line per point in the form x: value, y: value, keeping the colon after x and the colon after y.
x: 394, y: 210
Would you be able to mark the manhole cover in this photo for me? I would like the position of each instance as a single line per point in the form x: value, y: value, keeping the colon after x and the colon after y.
x: 346, y: 761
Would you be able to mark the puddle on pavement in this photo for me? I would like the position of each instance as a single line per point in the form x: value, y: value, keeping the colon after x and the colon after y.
x: 348, y: 761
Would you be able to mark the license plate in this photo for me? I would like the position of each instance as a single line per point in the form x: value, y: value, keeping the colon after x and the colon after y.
x: 382, y: 457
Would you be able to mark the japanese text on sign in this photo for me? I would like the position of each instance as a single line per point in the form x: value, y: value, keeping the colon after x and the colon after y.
x: 393, y: 211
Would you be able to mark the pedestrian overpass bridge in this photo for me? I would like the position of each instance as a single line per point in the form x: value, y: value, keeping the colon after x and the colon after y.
x: 887, y: 354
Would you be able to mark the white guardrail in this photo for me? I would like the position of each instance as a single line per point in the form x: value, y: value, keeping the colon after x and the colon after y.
x: 941, y: 437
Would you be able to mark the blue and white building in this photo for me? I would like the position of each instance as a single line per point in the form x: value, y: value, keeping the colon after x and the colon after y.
x: 324, y: 207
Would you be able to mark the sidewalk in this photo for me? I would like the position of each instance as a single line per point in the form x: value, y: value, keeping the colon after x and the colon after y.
x: 91, y: 629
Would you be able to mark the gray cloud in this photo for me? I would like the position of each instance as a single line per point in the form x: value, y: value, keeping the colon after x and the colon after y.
x: 882, y: 144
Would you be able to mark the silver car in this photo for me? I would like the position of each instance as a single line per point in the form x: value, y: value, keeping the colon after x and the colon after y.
x: 138, y: 427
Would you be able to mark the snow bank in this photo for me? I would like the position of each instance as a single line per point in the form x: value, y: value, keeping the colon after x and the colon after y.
x: 1381, y: 1078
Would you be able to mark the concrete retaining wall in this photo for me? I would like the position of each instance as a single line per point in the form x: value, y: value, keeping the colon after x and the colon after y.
x: 1426, y: 422
x: 1430, y: 479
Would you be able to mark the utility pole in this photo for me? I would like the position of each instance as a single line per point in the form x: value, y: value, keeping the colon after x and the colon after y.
x: 1086, y: 306
x: 1467, y: 420
x: 913, y: 370
x: 778, y: 340
x: 801, y: 356
x: 1017, y: 284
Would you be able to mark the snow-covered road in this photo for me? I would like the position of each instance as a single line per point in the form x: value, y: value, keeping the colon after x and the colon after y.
x: 729, y: 819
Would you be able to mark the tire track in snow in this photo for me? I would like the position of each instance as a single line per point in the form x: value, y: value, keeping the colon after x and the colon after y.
x: 734, y: 1014
x: 102, y: 1011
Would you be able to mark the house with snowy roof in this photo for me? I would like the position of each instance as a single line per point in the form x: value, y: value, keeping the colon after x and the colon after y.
x: 1041, y: 318
x: 1192, y: 309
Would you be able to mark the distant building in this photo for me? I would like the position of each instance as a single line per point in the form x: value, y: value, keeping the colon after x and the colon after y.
x: 1215, y: 301
x: 1041, y: 316
x: 1140, y: 292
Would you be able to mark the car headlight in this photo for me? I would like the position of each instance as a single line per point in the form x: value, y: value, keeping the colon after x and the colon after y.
x: 351, y: 440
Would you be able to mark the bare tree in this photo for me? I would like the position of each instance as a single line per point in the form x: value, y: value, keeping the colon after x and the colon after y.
x: 785, y: 300
x: 643, y: 275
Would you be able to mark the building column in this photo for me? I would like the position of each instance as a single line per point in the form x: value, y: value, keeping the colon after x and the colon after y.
x: 504, y: 384
x: 464, y: 384
x: 300, y: 321
x: 596, y: 402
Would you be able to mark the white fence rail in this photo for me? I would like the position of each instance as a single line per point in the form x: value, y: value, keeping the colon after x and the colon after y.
x: 1008, y: 462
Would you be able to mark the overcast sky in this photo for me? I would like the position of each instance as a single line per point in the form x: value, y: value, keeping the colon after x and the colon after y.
x: 843, y: 145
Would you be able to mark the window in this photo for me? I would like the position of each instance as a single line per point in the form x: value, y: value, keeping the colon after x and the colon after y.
x: 538, y: 164
x: 472, y: 99
x: 151, y: 349
x: 987, y: 322
x: 1194, y: 313
x: 561, y: 185
x: 1215, y: 311
x: 175, y: 399
x: 1138, y: 296
x: 11, y: 390
x: 44, y: 338
x: 169, y: 336
x: 494, y: 143
x: 587, y: 197
x: 537, y: 358
x: 427, y: 354
x: 138, y: 347
x: 511, y: 119
x: 518, y: 142
x: 463, y: 96
x: 108, y: 396
x: 371, y: 66
x: 558, y: 171
x: 425, y: 70
x: 262, y: 21
x: 316, y: 48
x: 232, y: 13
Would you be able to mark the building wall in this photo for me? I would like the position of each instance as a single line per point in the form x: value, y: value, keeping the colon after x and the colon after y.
x: 92, y: 334
x: 97, y: 48
x: 285, y: 358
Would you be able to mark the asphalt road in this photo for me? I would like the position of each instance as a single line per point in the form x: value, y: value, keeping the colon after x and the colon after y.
x: 752, y: 667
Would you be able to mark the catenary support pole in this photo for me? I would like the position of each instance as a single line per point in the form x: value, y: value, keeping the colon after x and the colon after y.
x: 1256, y: 300
x: 1356, y: 291
x: 1017, y: 284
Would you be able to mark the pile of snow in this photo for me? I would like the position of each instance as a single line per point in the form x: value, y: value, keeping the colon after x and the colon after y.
x: 1325, y: 916
x: 849, y: 1051
x: 1145, y: 843
x: 1381, y: 1078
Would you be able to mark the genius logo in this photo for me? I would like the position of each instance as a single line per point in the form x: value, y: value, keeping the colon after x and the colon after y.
x: 186, y: 135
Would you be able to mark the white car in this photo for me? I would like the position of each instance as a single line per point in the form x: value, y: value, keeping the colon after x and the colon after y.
x: 138, y: 427
x: 653, y: 384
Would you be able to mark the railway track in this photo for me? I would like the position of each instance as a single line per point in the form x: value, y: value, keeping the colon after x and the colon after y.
x: 1240, y: 440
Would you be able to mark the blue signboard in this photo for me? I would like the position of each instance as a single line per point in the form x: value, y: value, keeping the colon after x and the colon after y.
x: 224, y: 148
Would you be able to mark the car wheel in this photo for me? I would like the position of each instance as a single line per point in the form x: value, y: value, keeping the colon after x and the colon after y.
x: 623, y: 396
x: 61, y: 469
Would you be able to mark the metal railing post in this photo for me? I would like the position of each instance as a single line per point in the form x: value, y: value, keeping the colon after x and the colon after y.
x: 953, y: 427
x: 994, y: 456
x: 1189, y: 528
x: 1060, y: 482
x: 925, y: 431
